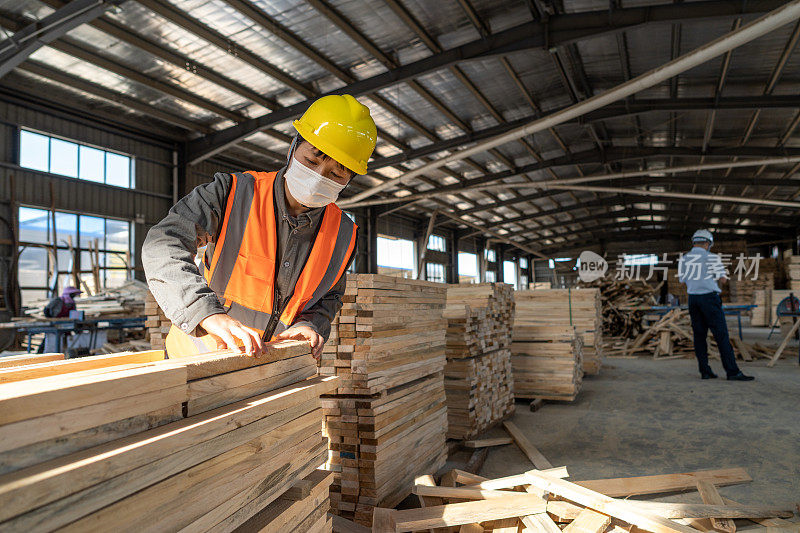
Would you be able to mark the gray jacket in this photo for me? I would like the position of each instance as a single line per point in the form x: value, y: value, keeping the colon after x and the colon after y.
x: 179, y: 288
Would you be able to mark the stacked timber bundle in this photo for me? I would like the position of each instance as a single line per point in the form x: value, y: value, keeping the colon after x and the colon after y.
x: 792, y: 263
x: 581, y: 308
x: 388, y: 419
x: 547, y: 362
x: 478, y: 377
x: 133, y: 442
x: 744, y: 291
x: 479, y: 318
x: 156, y: 322
x: 128, y: 300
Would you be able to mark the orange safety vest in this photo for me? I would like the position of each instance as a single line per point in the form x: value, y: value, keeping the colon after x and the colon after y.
x: 240, y: 265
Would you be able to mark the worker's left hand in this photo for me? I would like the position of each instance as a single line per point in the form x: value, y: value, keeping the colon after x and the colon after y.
x: 304, y: 333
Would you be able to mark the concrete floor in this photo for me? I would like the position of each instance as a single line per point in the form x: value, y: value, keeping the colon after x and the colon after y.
x: 641, y: 416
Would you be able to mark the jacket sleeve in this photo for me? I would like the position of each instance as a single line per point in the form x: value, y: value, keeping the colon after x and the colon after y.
x: 169, y: 250
x: 319, y: 316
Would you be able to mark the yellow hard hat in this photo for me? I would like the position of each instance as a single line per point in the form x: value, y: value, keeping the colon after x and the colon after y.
x: 342, y: 128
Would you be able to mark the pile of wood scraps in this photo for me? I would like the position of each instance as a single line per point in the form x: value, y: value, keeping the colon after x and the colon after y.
x: 618, y: 295
x: 556, y: 307
x: 543, y: 500
x: 127, y: 300
x: 671, y: 337
x: 133, y: 442
x: 478, y: 376
x: 547, y: 362
x: 387, y: 422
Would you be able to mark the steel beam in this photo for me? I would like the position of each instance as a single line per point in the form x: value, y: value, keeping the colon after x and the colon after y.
x: 24, y: 42
x: 559, y: 30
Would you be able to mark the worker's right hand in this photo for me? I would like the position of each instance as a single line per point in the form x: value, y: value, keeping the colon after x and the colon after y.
x: 226, y: 331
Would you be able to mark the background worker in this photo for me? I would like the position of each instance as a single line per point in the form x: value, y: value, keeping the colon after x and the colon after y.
x: 701, y: 270
x: 276, y: 245
x: 61, y: 306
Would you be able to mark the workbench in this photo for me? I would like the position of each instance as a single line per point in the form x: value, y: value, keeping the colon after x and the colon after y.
x: 63, y: 327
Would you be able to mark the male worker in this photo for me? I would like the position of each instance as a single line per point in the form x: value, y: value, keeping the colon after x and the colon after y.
x: 700, y: 270
x: 277, y: 245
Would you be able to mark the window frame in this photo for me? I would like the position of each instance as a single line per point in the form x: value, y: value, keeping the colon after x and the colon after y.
x: 78, y: 144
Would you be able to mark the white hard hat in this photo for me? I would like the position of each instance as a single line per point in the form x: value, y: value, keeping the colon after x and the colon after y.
x: 702, y: 235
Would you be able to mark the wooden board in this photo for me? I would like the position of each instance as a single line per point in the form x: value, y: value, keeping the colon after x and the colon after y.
x: 11, y: 361
x: 59, y: 367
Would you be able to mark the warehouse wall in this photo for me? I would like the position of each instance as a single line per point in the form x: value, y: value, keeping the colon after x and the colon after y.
x: 153, y: 172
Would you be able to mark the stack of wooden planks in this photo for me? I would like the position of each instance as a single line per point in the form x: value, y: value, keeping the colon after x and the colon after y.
x: 543, y: 500
x: 128, y: 300
x: 744, y: 291
x: 547, y: 362
x: 478, y: 377
x: 387, y: 422
x: 133, y: 442
x: 389, y: 331
x: 767, y: 301
x: 581, y: 308
x: 792, y: 265
x: 156, y: 322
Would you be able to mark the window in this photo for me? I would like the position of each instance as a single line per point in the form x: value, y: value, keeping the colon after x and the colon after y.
x: 490, y: 255
x: 435, y: 272
x: 468, y: 268
x: 640, y: 259
x: 437, y: 243
x: 101, y: 244
x: 523, y: 262
x: 396, y: 257
x: 490, y: 276
x: 510, y: 273
x: 74, y: 160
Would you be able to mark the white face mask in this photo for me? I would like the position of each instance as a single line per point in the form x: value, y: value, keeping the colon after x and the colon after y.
x: 309, y: 187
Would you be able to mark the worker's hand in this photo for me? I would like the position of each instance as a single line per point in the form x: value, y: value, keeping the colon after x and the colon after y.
x: 227, y: 330
x: 304, y: 333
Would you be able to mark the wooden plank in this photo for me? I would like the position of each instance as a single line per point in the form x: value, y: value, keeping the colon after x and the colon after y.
x: 709, y: 494
x: 383, y: 521
x: 462, y: 493
x: 635, y: 486
x: 476, y: 460
x: 457, y: 514
x: 541, y: 523
x: 588, y: 521
x: 343, y: 525
x: 783, y: 345
x: 425, y: 500
x: 512, y: 481
x: 54, y: 368
x: 483, y: 443
x: 769, y: 522
x: 535, y: 456
x: 605, y: 504
x: 212, y: 364
x: 569, y: 511
x: 471, y: 528
x: 11, y: 361
x: 61, y: 424
x: 44, y: 396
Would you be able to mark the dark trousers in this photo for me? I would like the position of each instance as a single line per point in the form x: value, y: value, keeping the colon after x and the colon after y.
x: 706, y: 313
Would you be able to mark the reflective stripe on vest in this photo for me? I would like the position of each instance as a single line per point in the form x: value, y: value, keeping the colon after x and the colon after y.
x: 242, y: 264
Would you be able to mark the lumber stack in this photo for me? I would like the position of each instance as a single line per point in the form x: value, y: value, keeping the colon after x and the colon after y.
x: 619, y: 300
x: 793, y: 272
x: 389, y: 331
x: 547, y: 362
x: 387, y: 422
x: 581, y: 308
x: 156, y: 322
x: 133, y: 442
x: 478, y: 377
x: 744, y: 291
x: 128, y: 300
